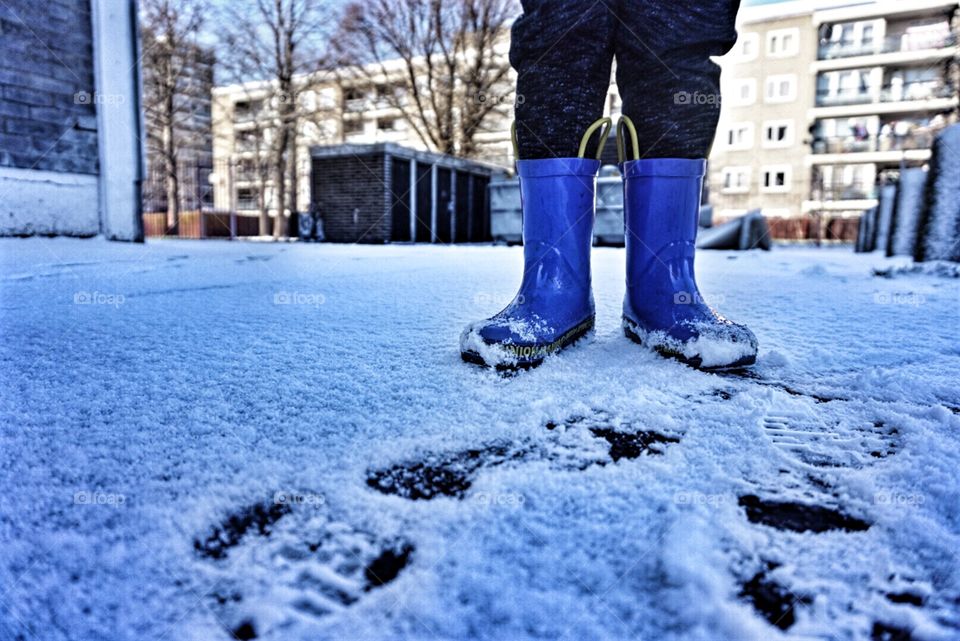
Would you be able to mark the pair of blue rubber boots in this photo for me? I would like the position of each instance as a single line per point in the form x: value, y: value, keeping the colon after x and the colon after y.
x: 662, y: 310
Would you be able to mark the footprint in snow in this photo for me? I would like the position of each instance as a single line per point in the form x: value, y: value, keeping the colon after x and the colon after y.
x: 575, y: 443
x: 298, y: 559
x: 830, y: 443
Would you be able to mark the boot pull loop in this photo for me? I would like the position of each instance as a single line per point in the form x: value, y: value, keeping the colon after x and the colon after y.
x: 604, y: 124
x: 626, y: 123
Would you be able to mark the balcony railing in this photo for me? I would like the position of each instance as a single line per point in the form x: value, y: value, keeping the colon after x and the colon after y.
x: 890, y: 44
x: 920, y: 90
x: 877, y: 143
x: 827, y: 98
x: 847, y: 191
x: 903, y: 92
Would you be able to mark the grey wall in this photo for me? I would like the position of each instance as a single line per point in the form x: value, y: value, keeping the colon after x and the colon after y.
x: 47, y: 116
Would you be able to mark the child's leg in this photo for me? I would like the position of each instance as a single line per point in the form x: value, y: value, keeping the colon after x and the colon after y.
x: 669, y: 86
x: 562, y: 51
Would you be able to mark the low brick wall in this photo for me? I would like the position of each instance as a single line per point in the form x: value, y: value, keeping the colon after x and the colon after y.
x: 48, y: 118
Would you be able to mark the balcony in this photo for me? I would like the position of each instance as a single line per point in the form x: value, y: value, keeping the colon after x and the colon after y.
x: 917, y: 91
x: 856, y: 190
x: 356, y: 105
x: 890, y: 44
x: 877, y: 143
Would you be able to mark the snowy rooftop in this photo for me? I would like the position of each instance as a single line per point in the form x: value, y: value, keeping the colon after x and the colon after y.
x: 214, y: 440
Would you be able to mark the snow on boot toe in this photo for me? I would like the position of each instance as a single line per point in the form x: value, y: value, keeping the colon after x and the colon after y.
x: 515, y: 343
x: 663, y: 308
x: 554, y: 307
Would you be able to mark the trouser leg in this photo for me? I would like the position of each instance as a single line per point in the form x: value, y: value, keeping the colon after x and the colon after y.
x: 562, y: 51
x: 669, y: 86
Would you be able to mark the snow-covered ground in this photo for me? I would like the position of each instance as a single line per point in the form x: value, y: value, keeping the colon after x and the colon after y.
x: 207, y: 439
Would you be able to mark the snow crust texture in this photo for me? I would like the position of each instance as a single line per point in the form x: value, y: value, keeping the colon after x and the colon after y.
x: 213, y: 441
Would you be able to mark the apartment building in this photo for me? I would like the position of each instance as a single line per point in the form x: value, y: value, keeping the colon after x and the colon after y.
x: 191, y: 128
x: 758, y: 157
x: 335, y: 110
x: 823, y: 101
x: 886, y: 83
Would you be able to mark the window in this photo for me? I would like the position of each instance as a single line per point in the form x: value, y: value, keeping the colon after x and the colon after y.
x: 248, y: 198
x: 247, y: 169
x: 846, y: 34
x: 781, y: 88
x: 748, y: 47
x: 740, y: 136
x: 387, y: 94
x: 246, y: 109
x: 782, y: 43
x: 354, y: 99
x: 352, y: 126
x: 387, y: 124
x: 248, y: 140
x: 778, y: 133
x: 744, y: 92
x: 736, y: 180
x: 776, y: 178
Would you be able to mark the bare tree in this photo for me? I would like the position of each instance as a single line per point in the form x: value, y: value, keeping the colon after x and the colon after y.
x: 441, y: 56
x: 172, y: 62
x: 277, y: 42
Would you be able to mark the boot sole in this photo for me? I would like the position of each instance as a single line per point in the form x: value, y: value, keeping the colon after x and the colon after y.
x: 632, y: 332
x: 542, y: 351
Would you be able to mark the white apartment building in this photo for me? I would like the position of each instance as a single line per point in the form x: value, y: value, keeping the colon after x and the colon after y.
x: 823, y: 100
x: 886, y: 77
x: 334, y: 111
x: 757, y: 160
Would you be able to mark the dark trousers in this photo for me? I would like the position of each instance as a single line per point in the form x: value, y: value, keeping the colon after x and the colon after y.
x: 562, y: 51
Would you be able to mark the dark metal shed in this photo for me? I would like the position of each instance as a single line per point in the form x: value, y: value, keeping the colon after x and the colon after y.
x: 385, y: 192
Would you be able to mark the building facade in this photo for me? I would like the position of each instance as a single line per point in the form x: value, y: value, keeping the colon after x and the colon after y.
x: 190, y: 111
x: 758, y: 156
x: 822, y: 103
x: 886, y: 83
x: 333, y: 111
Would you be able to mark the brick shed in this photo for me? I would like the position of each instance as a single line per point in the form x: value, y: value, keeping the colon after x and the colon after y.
x: 70, y: 152
x: 388, y: 193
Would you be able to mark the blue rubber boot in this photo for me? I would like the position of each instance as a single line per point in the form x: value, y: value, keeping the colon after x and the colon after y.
x: 663, y: 309
x: 554, y: 307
